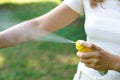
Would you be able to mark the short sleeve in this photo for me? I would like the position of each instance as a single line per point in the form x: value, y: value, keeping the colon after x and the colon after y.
x: 76, y: 5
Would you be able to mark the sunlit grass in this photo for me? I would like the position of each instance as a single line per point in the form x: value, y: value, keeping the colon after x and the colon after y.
x: 2, y: 60
x: 27, y: 1
x: 32, y: 63
x: 67, y: 59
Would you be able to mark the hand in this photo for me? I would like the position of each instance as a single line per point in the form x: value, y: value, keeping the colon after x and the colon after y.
x: 98, y: 58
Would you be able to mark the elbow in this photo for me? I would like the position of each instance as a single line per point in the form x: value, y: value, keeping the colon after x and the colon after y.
x: 40, y: 23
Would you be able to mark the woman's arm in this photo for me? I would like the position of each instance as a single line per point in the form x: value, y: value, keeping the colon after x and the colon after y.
x: 33, y: 29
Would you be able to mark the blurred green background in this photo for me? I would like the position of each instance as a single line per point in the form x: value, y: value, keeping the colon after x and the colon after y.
x: 38, y: 60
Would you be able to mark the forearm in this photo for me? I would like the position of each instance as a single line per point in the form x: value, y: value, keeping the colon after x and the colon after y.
x: 38, y: 27
x: 23, y: 32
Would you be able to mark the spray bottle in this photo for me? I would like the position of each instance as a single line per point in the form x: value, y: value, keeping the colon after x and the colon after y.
x: 82, y: 48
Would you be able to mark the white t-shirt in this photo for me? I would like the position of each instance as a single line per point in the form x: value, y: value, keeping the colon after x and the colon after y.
x: 102, y: 26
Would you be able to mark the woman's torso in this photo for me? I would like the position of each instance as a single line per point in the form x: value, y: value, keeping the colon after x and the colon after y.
x: 102, y: 26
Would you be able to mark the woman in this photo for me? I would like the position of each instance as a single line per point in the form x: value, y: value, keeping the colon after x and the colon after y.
x: 101, y: 26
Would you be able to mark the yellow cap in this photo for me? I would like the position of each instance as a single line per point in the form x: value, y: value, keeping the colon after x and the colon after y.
x: 82, y: 48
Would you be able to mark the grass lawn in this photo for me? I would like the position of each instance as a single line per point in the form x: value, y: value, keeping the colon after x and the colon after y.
x: 27, y: 1
x: 37, y: 60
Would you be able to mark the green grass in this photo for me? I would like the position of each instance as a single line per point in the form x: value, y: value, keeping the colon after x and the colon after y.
x: 27, y: 1
x: 38, y: 60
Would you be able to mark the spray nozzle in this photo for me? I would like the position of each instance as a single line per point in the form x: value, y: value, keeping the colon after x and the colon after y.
x: 82, y: 48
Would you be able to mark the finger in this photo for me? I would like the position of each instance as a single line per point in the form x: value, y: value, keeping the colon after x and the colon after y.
x: 84, y: 43
x: 86, y: 61
x: 91, y: 66
x: 79, y: 54
x: 90, y: 61
x: 95, y: 67
x: 86, y: 55
x: 89, y: 45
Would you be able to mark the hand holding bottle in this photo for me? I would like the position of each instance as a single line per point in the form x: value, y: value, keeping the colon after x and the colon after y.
x: 94, y: 57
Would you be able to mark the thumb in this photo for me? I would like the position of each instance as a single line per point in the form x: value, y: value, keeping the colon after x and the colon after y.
x: 84, y: 43
x: 89, y: 45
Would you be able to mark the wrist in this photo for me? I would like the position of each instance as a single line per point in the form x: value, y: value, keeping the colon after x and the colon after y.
x: 3, y: 42
x: 116, y: 65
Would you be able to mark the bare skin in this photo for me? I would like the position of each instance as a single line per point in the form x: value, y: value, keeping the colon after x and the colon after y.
x: 31, y: 29
x: 98, y: 58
